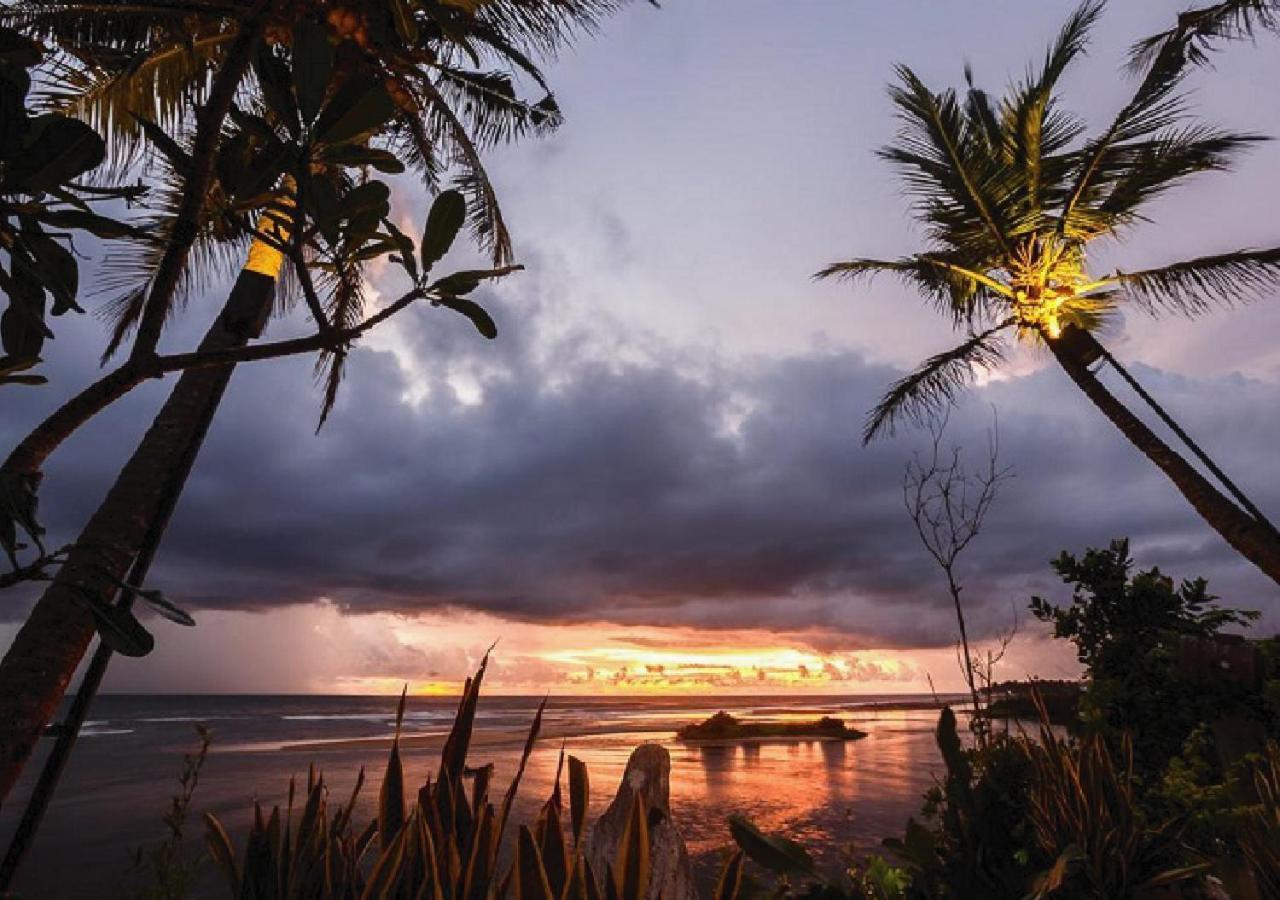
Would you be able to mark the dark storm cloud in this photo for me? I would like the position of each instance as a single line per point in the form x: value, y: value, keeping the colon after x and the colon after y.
x: 669, y: 489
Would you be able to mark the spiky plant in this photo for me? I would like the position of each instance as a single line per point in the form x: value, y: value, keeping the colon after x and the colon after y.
x: 1012, y: 193
x: 447, y: 845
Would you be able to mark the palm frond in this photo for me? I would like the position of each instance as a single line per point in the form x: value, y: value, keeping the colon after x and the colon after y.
x: 954, y: 290
x: 485, y: 215
x: 1198, y: 31
x: 545, y: 26
x: 958, y: 189
x: 490, y: 110
x: 934, y: 385
x: 1163, y: 163
x: 1154, y: 108
x: 1037, y: 132
x: 1193, y: 287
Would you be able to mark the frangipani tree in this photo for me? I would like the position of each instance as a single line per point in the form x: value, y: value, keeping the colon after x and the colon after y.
x: 1012, y: 193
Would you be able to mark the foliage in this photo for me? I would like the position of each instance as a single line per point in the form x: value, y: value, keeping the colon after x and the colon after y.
x: 445, y: 845
x: 1127, y: 628
x: 164, y: 872
x: 1199, y: 30
x: 1012, y: 191
x: 1260, y: 837
x: 977, y: 842
x: 1085, y: 813
x: 42, y: 204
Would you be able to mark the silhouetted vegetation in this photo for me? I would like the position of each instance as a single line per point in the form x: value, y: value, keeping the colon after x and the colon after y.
x: 1059, y: 700
x: 724, y: 727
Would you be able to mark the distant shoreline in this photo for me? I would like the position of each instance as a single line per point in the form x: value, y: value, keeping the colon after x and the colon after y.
x: 495, y: 737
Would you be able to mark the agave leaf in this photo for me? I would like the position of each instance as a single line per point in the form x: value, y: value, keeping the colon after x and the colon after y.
x: 481, y: 862
x: 391, y: 798
x: 590, y: 883
x: 387, y: 869
x: 579, y: 797
x: 730, y: 881
x: 510, y: 798
x: 632, y: 865
x: 222, y: 851
x: 530, y: 875
x: 453, y: 759
x: 556, y: 861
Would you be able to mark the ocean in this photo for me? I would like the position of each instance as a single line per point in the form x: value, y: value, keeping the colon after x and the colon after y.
x: 125, y: 767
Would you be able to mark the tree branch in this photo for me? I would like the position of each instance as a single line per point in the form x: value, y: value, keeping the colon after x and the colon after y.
x: 29, y: 456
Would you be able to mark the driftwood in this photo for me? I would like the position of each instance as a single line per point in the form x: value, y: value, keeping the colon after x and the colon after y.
x: 649, y: 773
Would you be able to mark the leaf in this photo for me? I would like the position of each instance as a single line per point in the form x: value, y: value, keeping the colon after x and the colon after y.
x: 405, y: 245
x: 467, y: 281
x: 579, y: 797
x: 773, y: 853
x: 369, y: 196
x: 391, y: 807
x: 632, y: 866
x: 473, y: 311
x: 322, y: 202
x: 222, y: 851
x: 358, y: 108
x: 350, y: 155
x: 120, y: 630
x: 57, y: 150
x: 446, y: 218
x: 22, y: 328
x: 530, y: 875
x: 165, y: 607
x: 57, y: 270
x: 730, y: 881
x: 312, y: 62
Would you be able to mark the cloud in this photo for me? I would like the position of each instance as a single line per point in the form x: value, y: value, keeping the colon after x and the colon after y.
x: 664, y: 485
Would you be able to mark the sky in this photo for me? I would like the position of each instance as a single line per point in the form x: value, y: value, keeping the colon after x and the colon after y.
x: 653, y: 480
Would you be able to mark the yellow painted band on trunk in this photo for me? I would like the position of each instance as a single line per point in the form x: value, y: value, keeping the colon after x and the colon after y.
x: 264, y: 258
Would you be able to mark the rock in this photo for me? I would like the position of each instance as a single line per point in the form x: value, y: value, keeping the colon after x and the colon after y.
x: 649, y: 772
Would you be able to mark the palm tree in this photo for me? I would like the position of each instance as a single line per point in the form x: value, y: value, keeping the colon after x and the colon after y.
x: 271, y: 86
x: 1011, y: 194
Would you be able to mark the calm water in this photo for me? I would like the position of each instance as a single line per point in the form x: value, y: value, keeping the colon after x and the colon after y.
x: 125, y: 768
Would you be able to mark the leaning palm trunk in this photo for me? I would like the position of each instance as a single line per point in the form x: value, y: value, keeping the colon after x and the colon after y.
x: 51, y: 644
x: 1253, y: 539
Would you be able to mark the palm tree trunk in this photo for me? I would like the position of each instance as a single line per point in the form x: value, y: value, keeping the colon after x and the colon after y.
x: 1251, y: 538
x: 46, y: 651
